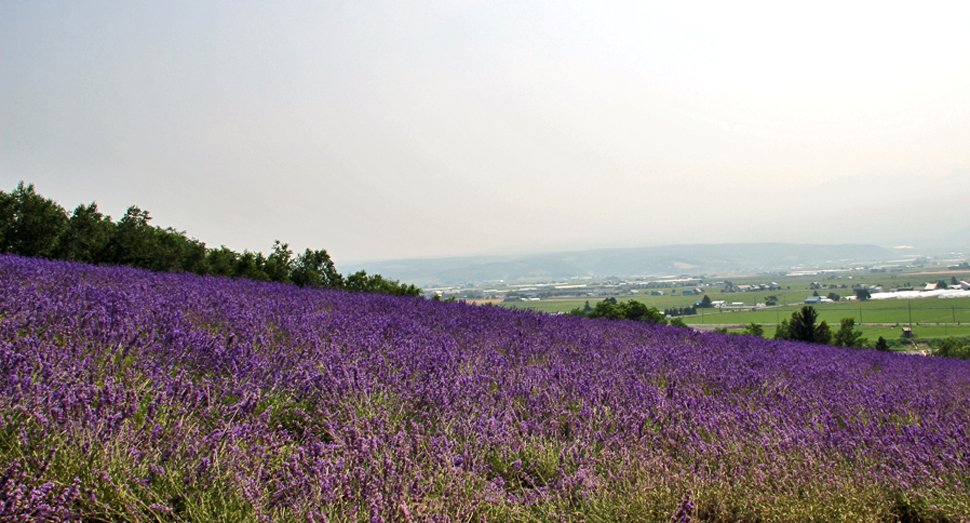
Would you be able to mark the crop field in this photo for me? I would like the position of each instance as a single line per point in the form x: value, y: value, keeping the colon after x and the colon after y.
x: 127, y: 395
x: 931, y: 317
x: 928, y: 310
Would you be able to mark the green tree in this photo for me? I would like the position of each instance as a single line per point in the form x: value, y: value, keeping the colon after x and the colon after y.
x: 678, y: 322
x: 133, y: 241
x: 8, y: 210
x: 628, y: 310
x: 848, y: 335
x: 221, y: 261
x: 823, y: 334
x: 754, y: 329
x: 194, y: 254
x: 952, y: 348
x: 315, y: 269
x: 782, y: 330
x: 705, y: 302
x: 608, y: 310
x: 31, y: 223
x: 166, y: 251
x: 834, y: 296
x: 85, y: 236
x: 882, y: 344
x: 361, y: 282
x: 862, y: 294
x: 279, y: 264
x: 802, y: 327
x: 637, y: 311
x: 250, y: 265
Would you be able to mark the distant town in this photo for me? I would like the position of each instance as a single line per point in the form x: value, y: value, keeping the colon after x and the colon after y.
x: 851, y: 279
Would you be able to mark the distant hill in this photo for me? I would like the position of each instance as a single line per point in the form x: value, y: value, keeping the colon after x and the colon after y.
x: 642, y: 261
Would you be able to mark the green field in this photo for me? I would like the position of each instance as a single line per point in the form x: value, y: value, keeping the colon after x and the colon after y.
x: 930, y: 317
x: 920, y: 311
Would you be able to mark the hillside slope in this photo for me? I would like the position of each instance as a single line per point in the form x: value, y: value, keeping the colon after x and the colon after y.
x: 129, y: 395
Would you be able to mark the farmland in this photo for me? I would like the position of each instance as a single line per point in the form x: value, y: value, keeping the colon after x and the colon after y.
x: 930, y: 318
x: 127, y: 395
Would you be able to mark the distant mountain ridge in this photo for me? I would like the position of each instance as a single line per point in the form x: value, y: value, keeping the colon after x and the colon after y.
x: 626, y: 262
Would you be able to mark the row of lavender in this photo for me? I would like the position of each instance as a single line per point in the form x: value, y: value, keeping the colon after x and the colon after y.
x: 135, y: 396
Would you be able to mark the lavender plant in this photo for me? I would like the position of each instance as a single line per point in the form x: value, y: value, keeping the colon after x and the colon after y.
x: 127, y: 395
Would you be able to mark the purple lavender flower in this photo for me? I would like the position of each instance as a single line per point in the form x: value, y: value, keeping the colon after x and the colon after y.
x: 685, y: 510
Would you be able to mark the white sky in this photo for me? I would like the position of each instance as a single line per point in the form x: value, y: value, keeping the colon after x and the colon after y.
x: 422, y: 128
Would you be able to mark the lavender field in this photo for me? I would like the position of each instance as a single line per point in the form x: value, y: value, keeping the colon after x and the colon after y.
x: 127, y: 395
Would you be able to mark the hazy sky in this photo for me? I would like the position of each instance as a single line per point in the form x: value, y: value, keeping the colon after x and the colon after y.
x: 402, y: 129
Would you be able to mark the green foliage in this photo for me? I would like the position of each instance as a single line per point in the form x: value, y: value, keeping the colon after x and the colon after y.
x: 848, y: 335
x: 823, y: 334
x: 361, y: 282
x: 628, y: 310
x: 802, y: 327
x: 315, y: 269
x: 250, y: 265
x: 31, y: 225
x: 133, y: 241
x: 834, y: 296
x: 782, y: 330
x: 705, y: 302
x: 637, y: 311
x: 608, y: 310
x: 953, y: 348
x: 882, y: 344
x: 754, y: 329
x: 279, y: 264
x: 85, y: 236
x: 680, y: 311
x: 862, y: 294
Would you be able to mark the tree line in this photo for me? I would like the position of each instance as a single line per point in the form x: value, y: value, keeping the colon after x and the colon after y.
x: 803, y: 327
x: 634, y: 310
x: 689, y: 310
x: 31, y: 225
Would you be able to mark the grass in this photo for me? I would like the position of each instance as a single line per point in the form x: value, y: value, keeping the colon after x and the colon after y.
x: 931, y: 317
